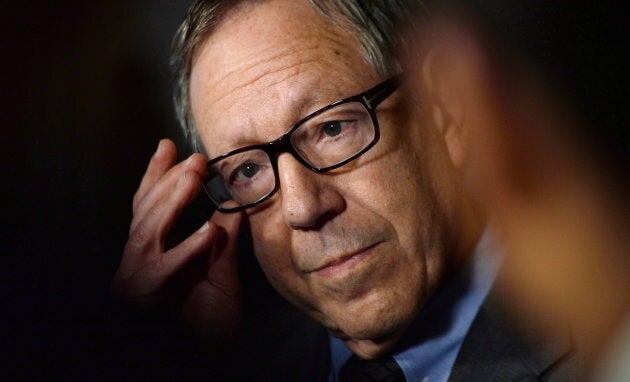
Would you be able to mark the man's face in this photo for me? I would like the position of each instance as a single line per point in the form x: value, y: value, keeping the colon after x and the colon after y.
x: 361, y: 247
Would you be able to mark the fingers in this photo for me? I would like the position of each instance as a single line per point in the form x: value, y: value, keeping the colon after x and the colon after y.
x: 195, y: 245
x: 168, y: 182
x: 143, y: 272
x: 160, y: 205
x: 162, y: 160
x: 165, y: 190
x: 214, y: 306
x: 223, y: 271
x: 162, y: 172
x: 160, y: 210
x: 146, y: 268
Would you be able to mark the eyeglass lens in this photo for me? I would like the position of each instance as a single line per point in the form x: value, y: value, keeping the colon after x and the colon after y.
x: 327, y: 139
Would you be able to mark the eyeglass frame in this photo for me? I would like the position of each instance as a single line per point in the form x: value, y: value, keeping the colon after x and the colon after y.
x: 370, y: 99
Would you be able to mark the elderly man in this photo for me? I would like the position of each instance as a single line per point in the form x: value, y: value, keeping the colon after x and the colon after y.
x: 351, y: 191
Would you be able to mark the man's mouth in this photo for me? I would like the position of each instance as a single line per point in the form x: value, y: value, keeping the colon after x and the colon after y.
x: 344, y: 263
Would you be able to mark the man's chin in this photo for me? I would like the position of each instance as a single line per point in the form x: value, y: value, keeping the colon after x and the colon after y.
x: 363, y: 332
x: 370, y: 325
x: 369, y: 341
x: 370, y: 349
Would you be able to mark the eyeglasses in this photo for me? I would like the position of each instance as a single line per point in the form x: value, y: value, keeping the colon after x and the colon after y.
x: 322, y: 141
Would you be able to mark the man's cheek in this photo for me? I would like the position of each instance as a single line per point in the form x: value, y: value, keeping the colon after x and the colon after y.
x: 273, y: 251
x: 268, y: 231
x: 287, y: 282
x: 371, y: 184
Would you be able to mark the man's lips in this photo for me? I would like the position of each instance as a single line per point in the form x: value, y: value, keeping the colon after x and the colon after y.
x: 344, y: 262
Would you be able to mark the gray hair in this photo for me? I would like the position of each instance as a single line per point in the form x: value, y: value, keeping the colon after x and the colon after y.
x: 376, y: 22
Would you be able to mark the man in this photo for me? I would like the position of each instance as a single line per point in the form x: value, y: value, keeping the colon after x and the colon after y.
x: 355, y: 208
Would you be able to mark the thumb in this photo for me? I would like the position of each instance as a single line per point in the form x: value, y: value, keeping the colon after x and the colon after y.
x: 223, y: 265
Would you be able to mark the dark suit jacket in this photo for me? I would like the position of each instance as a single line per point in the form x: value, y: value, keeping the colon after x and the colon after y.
x: 295, y: 348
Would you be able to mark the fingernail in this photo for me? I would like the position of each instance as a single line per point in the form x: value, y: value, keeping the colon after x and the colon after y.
x: 189, y: 160
x: 160, y: 147
x: 205, y: 227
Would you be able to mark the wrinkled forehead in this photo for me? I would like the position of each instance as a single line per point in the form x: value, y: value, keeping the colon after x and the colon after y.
x: 265, y: 67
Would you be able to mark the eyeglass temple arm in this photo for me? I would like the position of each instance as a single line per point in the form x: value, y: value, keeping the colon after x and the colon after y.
x: 376, y: 95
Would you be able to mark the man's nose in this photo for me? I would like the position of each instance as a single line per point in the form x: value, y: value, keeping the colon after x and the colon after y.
x: 308, y: 199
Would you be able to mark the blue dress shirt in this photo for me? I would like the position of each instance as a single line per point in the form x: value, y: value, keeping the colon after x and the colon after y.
x: 431, y: 343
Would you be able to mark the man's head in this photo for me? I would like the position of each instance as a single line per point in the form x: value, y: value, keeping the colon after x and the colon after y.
x: 359, y: 248
x: 375, y: 24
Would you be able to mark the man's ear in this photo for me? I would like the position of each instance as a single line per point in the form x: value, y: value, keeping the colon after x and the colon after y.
x: 492, y: 117
x: 462, y: 93
x: 443, y: 102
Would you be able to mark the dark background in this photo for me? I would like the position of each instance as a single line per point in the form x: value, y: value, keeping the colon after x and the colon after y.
x: 86, y: 96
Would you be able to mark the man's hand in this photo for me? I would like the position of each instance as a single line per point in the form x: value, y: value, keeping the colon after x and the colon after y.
x: 149, y: 272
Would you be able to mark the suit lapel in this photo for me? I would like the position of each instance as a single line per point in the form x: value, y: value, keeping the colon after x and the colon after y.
x: 494, y: 351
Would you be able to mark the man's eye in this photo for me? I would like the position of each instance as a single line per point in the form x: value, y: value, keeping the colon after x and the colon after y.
x: 332, y: 128
x: 246, y: 171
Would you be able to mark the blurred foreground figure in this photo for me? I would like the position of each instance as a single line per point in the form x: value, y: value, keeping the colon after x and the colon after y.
x: 540, y: 88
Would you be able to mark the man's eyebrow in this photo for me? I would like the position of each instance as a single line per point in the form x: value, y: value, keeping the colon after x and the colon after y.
x: 315, y: 101
x: 302, y: 105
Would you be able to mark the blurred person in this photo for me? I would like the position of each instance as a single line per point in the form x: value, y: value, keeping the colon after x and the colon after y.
x: 353, y: 196
x: 540, y: 89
